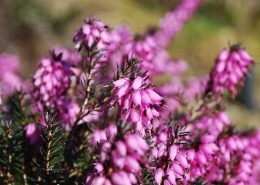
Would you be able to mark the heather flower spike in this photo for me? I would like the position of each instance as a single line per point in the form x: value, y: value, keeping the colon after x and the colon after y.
x: 51, y: 80
x: 230, y: 69
x: 92, y: 33
x: 10, y: 79
x: 137, y: 100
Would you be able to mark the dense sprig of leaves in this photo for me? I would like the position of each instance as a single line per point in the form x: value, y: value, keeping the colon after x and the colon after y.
x: 19, y: 108
x: 11, y: 154
x: 76, y: 154
x: 51, y: 161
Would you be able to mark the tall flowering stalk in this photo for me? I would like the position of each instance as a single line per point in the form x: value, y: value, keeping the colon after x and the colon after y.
x: 230, y: 70
x: 174, y: 21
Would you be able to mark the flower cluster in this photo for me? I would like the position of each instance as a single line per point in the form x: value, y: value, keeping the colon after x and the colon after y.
x: 212, y: 123
x: 93, y: 33
x: 10, y: 80
x: 72, y: 57
x: 121, y: 44
x: 119, y: 162
x: 170, y: 162
x: 230, y: 70
x: 137, y: 101
x: 173, y: 21
x: 177, y: 170
x: 196, y: 87
x: 51, y: 81
x: 68, y: 112
x: 224, y: 156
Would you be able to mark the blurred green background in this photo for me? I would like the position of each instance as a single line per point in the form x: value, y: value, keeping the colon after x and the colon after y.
x: 29, y: 28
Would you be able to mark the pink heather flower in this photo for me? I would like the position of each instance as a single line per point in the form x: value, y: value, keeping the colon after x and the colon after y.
x: 1, y: 100
x: 146, y: 50
x: 155, y: 59
x: 121, y: 44
x: 246, y: 150
x: 32, y: 133
x: 93, y: 116
x: 92, y: 32
x: 170, y: 162
x: 72, y: 57
x: 212, y: 124
x: 159, y: 173
x: 230, y: 69
x: 137, y: 101
x: 226, y: 158
x: 119, y: 164
x: 176, y: 167
x: 12, y: 61
x: 175, y: 67
x: 173, y: 21
x: 203, y: 158
x: 195, y: 88
x: 51, y: 81
x: 10, y: 80
x: 68, y: 112
x: 255, y: 179
x: 99, y: 136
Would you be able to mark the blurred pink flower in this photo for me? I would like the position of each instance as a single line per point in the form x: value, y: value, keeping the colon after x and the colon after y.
x: 230, y: 70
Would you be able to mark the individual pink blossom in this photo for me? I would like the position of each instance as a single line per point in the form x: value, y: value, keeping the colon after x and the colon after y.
x: 33, y: 133
x: 68, y: 112
x: 70, y: 56
x: 230, y: 70
x: 107, y: 134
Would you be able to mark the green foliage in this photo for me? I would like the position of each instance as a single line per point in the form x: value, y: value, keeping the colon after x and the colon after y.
x: 147, y: 177
x: 51, y: 160
x: 19, y: 111
x: 77, y: 155
x: 57, y: 158
x: 11, y: 154
x: 199, y: 181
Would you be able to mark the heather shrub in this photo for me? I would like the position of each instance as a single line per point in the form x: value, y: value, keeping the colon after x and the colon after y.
x: 93, y: 114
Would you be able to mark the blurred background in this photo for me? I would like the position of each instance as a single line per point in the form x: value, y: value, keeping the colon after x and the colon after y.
x: 29, y: 28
